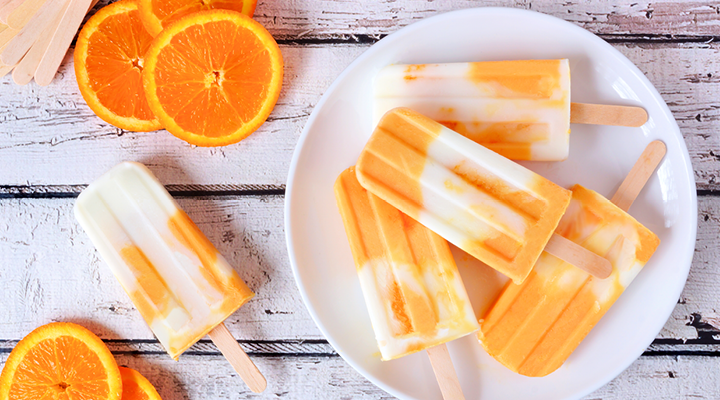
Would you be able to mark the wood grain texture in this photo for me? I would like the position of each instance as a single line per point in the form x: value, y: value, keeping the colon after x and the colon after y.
x: 54, y: 128
x: 51, y: 128
x: 329, y: 377
x: 333, y: 18
x: 51, y: 271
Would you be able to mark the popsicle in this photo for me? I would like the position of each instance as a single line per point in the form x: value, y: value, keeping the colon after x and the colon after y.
x: 180, y: 284
x: 534, y: 327
x: 493, y: 208
x: 519, y: 109
x: 411, y: 285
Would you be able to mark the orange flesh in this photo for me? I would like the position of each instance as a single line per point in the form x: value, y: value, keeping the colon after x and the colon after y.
x: 133, y: 391
x: 63, y: 367
x: 534, y: 327
x: 136, y: 386
x: 383, y: 238
x: 213, y: 93
x: 114, y: 65
x: 518, y: 79
x: 168, y: 11
x: 394, y: 160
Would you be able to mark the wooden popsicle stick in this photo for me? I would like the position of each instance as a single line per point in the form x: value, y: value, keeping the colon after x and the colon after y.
x: 25, y: 70
x: 8, y: 9
x: 240, y: 361
x: 3, y: 3
x: 22, y: 14
x: 6, y: 34
x: 639, y: 174
x: 573, y: 253
x: 63, y: 36
x: 601, y: 114
x: 445, y: 372
x: 29, y: 34
x: 4, y: 69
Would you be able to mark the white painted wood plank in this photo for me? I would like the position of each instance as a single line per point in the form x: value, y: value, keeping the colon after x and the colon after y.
x: 331, y: 18
x: 52, y: 130
x: 50, y: 271
x: 211, y: 377
x: 665, y: 378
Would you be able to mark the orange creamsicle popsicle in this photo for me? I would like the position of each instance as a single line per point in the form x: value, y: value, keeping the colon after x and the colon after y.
x: 493, y: 208
x: 519, y: 109
x: 412, y: 288
x: 175, y: 277
x: 534, y: 327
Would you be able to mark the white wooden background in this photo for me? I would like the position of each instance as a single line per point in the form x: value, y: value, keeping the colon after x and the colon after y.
x: 51, y: 146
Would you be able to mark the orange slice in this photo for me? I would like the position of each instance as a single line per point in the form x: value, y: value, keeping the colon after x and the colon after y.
x: 136, y: 386
x: 60, y: 361
x: 109, y: 58
x: 158, y: 14
x: 213, y: 77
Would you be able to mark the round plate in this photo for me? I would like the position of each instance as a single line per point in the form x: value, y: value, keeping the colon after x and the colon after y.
x: 600, y: 157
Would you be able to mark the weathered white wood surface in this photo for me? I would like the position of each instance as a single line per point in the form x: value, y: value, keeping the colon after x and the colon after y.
x: 51, y: 127
x: 52, y: 145
x: 337, y: 18
x: 52, y: 271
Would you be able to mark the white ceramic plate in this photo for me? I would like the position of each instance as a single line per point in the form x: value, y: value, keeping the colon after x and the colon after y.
x: 600, y: 157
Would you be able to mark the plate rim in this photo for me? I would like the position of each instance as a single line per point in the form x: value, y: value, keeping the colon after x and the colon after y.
x: 289, y: 188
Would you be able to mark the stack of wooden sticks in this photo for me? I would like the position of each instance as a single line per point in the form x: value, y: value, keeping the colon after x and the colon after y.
x: 35, y: 35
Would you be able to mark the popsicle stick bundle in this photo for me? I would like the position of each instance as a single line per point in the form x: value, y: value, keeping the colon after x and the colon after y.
x: 438, y: 168
x: 35, y: 35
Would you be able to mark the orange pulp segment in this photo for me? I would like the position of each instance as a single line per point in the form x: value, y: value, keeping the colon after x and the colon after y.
x: 60, y: 361
x: 158, y: 14
x: 136, y: 386
x: 109, y: 58
x: 213, y: 77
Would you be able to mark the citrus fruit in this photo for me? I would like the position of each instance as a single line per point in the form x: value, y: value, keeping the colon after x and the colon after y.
x: 158, y: 14
x: 213, y: 77
x: 60, y: 361
x: 108, y: 64
x: 136, y: 386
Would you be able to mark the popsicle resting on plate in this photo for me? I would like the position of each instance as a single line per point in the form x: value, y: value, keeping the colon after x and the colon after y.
x: 493, y: 208
x: 534, y: 327
x: 520, y: 109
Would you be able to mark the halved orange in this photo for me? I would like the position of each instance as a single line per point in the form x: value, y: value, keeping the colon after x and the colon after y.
x: 213, y: 77
x: 136, y: 386
x: 60, y: 361
x: 109, y: 58
x: 157, y: 14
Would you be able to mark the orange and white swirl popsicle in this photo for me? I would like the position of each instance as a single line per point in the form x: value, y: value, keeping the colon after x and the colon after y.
x: 411, y: 285
x: 519, y: 109
x: 534, y: 327
x: 182, y: 286
x: 493, y: 208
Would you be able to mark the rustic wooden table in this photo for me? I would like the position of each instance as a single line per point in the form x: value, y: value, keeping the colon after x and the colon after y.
x: 52, y: 146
